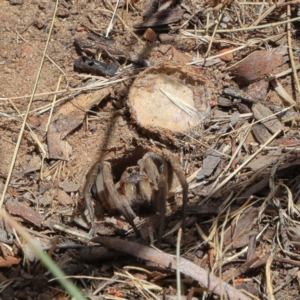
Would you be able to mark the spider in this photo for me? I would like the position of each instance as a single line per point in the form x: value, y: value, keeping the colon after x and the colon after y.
x: 140, y: 187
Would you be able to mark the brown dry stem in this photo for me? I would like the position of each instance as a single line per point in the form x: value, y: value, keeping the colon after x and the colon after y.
x: 209, y: 281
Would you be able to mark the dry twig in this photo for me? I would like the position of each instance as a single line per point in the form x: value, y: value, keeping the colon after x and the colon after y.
x: 209, y: 281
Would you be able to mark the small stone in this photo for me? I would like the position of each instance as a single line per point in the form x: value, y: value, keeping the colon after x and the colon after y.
x: 16, y: 2
x: 63, y: 198
x: 80, y: 28
x: 150, y: 35
x: 226, y: 57
x: 69, y: 186
x: 166, y: 38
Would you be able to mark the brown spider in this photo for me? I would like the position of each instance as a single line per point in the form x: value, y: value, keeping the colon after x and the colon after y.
x: 141, y: 186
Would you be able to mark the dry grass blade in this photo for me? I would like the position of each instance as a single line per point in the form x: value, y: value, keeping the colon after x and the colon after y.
x: 252, y: 184
x: 293, y: 210
x: 269, y: 277
x: 266, y: 13
x: 53, y: 103
x: 178, y: 281
x: 190, y: 110
x: 282, y: 92
x: 244, y: 250
x: 28, y: 109
x: 35, y: 138
x: 93, y: 86
x: 245, y: 132
x: 122, y: 21
x: 47, y: 261
x: 284, y: 73
x: 3, y: 114
x: 226, y: 180
x: 218, y: 55
x: 110, y: 25
x: 143, y: 286
x: 214, y: 31
x: 292, y: 60
x: 251, y: 28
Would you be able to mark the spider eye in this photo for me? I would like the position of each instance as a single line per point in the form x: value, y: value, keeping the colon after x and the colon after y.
x: 129, y: 170
x: 137, y: 169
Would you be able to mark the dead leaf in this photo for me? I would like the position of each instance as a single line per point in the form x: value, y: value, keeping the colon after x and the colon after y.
x: 255, y: 66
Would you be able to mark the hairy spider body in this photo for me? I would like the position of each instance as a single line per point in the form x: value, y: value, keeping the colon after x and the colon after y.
x: 142, y: 186
x: 136, y: 187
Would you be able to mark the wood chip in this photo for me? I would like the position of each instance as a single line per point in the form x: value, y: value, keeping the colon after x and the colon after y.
x: 261, y: 133
x: 272, y: 123
x: 175, y: 99
x: 265, y: 161
x: 258, y: 89
x: 237, y: 234
x: 33, y: 165
x: 222, y: 101
x: 210, y: 162
x: 26, y: 213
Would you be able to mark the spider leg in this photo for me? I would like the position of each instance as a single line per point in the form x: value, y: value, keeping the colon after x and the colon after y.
x: 175, y: 163
x: 160, y: 173
x: 87, y: 193
x: 161, y: 205
x: 115, y: 200
x: 128, y: 213
x: 172, y: 165
x: 151, y: 163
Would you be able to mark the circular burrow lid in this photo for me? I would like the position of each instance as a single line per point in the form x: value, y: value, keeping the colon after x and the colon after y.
x: 169, y: 99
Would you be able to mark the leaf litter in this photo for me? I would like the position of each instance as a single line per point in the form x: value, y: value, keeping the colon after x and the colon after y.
x: 241, y: 160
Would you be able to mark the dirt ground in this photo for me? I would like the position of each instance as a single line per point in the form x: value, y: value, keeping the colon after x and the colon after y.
x: 78, y: 119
